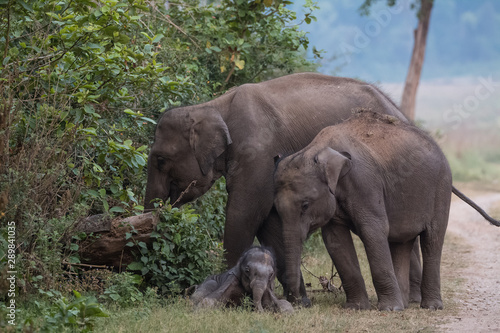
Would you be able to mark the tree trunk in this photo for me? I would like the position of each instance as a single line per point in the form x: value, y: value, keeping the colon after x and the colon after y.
x: 417, y: 60
x: 107, y: 243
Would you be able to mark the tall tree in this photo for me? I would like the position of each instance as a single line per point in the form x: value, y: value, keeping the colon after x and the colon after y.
x: 417, y: 59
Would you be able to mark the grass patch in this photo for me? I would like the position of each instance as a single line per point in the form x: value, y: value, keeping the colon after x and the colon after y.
x: 326, y: 314
x: 473, y: 166
x: 179, y: 316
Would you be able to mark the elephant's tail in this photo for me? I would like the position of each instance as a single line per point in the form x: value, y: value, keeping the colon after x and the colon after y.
x: 475, y: 206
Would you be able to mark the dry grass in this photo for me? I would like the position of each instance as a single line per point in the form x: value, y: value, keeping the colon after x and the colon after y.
x: 326, y: 314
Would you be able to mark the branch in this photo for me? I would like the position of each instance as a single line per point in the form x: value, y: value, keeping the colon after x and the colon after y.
x: 85, y: 265
x: 167, y: 18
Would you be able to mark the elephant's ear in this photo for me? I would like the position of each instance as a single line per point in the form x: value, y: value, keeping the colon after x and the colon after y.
x: 208, y: 137
x: 335, y: 165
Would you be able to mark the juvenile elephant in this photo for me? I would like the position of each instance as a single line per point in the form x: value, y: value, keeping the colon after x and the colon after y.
x: 237, y: 135
x: 252, y: 276
x: 384, y: 180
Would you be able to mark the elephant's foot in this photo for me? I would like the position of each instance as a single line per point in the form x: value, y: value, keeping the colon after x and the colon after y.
x: 306, y: 302
x: 284, y: 306
x: 415, y: 297
x: 434, y: 304
x: 415, y: 293
x: 207, y: 303
x: 303, y: 301
x: 391, y: 305
x: 364, y: 305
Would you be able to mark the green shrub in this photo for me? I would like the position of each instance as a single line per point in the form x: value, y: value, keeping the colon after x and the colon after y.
x: 81, y: 84
x: 77, y: 313
x: 183, y: 252
x: 211, y: 208
x: 123, y: 290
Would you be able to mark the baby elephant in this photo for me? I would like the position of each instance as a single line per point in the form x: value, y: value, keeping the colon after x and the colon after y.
x: 252, y: 276
x: 384, y: 180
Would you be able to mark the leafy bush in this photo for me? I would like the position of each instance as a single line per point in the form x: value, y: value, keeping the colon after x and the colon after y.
x: 182, y: 253
x: 75, y: 314
x: 81, y: 84
x: 123, y: 290
x: 211, y: 208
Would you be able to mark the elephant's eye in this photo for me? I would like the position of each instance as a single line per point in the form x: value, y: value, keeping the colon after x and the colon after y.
x: 247, y: 269
x: 160, y: 161
x: 305, y: 206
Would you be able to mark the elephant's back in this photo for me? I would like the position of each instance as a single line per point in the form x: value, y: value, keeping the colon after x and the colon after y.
x: 293, y: 109
x: 397, y: 150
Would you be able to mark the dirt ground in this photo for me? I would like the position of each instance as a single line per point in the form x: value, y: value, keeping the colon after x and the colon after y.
x: 479, y: 264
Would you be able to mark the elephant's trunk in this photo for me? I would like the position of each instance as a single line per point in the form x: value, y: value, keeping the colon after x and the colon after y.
x: 293, y: 250
x: 258, y: 289
x: 157, y: 186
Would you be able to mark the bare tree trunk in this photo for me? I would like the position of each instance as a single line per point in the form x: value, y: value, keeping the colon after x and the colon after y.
x: 417, y: 60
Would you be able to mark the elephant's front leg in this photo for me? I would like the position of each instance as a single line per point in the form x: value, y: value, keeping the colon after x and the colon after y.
x: 248, y: 204
x: 270, y: 301
x: 338, y: 241
x: 229, y: 291
x: 373, y: 232
x: 270, y: 234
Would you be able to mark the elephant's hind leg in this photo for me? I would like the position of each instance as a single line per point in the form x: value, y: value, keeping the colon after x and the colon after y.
x: 270, y: 235
x: 400, y: 253
x: 415, y: 273
x: 431, y: 241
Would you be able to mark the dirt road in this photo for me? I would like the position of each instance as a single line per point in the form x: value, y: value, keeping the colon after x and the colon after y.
x: 479, y: 301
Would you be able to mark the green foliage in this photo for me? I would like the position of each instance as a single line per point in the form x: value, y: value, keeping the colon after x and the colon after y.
x: 124, y: 290
x: 241, y: 41
x: 81, y: 84
x: 211, y: 208
x: 183, y: 252
x: 75, y: 314
x: 474, y: 165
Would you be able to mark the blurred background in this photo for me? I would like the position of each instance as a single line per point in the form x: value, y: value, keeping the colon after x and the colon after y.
x: 458, y: 97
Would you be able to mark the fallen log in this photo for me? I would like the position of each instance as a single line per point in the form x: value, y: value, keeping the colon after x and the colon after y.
x: 106, y: 244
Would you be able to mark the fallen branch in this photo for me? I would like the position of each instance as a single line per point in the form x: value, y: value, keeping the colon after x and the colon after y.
x: 107, y: 243
x: 85, y: 265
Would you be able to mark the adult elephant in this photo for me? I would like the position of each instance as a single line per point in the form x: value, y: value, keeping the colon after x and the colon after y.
x: 237, y: 136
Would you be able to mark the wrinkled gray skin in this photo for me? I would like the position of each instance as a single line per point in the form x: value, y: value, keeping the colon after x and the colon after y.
x: 237, y: 135
x: 382, y: 179
x: 252, y: 276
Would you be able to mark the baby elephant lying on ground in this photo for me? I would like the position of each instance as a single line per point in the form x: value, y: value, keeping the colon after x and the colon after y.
x: 252, y: 276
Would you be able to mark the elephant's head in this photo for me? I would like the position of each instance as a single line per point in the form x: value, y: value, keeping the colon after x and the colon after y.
x: 305, y: 185
x: 256, y: 273
x: 188, y: 142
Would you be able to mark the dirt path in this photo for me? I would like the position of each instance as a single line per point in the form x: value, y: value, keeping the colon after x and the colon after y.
x: 479, y: 301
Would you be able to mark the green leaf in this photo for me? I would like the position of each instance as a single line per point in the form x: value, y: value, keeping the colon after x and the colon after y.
x: 157, y: 38
x: 148, y: 119
x: 106, y: 205
x: 25, y: 5
x: 117, y: 209
x: 135, y: 266
x: 74, y: 247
